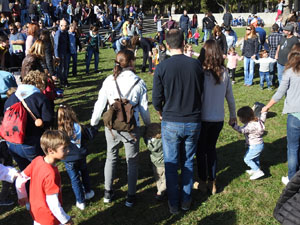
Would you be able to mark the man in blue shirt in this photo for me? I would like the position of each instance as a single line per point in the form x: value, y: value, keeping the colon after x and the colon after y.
x: 184, y: 24
x: 16, y: 46
x: 262, y: 35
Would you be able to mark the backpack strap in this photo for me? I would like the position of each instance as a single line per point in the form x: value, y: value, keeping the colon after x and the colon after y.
x: 126, y: 96
x: 27, y: 108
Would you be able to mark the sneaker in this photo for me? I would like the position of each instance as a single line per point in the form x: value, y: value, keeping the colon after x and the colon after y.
x: 285, y: 180
x: 257, y: 174
x: 89, y: 195
x: 250, y: 172
x: 173, y: 209
x: 108, y: 196
x: 80, y: 206
x: 270, y: 88
x: 185, y: 206
x: 233, y: 82
x: 261, y: 88
x: 6, y: 202
x: 130, y: 200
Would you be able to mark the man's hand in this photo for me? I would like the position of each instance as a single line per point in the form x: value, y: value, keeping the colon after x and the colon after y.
x: 232, y: 121
x: 70, y: 222
x: 23, y: 201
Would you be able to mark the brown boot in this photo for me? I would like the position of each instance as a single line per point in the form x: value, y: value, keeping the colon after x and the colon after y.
x: 212, y: 187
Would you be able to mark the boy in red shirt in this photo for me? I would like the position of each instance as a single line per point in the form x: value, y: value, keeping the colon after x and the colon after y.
x: 45, y: 183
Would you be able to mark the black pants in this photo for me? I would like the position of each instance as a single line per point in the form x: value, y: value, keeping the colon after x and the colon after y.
x: 206, y: 153
x: 232, y: 73
x: 145, y: 57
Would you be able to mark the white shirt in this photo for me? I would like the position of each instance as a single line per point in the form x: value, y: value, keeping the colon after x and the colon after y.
x: 7, y: 173
x: 264, y: 64
x: 137, y: 97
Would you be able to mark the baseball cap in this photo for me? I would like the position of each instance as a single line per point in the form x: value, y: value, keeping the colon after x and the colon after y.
x: 289, y: 27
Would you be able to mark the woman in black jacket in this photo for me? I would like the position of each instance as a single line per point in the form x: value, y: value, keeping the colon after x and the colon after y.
x: 287, y: 210
x: 220, y: 38
x: 250, y: 48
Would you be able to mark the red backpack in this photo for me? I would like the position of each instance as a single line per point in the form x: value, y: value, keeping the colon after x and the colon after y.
x: 14, y: 124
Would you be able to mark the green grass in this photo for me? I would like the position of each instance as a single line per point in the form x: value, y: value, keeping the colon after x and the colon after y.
x: 240, y: 200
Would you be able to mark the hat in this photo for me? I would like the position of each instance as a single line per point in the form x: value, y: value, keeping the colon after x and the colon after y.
x: 289, y: 27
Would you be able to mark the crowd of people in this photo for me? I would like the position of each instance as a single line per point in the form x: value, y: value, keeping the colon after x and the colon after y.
x: 185, y: 93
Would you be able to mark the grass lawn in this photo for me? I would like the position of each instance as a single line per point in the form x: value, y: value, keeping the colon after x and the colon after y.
x: 239, y: 201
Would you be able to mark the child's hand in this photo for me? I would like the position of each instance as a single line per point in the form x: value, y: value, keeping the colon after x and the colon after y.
x: 253, y: 57
x: 70, y: 222
x: 23, y: 201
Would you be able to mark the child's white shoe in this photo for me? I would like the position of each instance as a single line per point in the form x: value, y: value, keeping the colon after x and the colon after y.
x: 285, y: 180
x: 80, y: 206
x: 89, y: 195
x: 257, y: 174
x: 250, y: 172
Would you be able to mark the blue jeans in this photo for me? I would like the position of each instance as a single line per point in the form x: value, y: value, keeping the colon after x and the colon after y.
x: 179, y: 147
x: 74, y: 61
x: 90, y: 52
x: 248, y: 71
x: 280, y: 69
x: 293, y: 138
x: 24, y: 17
x: 47, y: 20
x: 251, y: 157
x: 23, y: 154
x: 75, y: 170
x: 265, y: 76
x: 63, y: 68
x: 272, y: 72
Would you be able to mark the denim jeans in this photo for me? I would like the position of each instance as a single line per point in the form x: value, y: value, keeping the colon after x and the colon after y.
x: 47, y: 20
x: 251, y: 157
x: 280, y: 69
x: 90, y: 52
x: 272, y: 72
x: 293, y: 138
x: 248, y: 71
x: 76, y: 170
x: 74, y: 61
x: 179, y: 147
x: 24, y: 17
x: 23, y: 154
x: 206, y: 151
x: 265, y: 76
x: 63, y: 68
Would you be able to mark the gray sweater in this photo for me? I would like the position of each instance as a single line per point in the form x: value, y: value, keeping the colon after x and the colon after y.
x: 213, y: 98
x: 289, y: 86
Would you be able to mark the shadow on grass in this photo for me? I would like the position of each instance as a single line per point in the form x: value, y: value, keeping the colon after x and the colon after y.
x: 21, y: 216
x: 231, y: 160
x: 224, y: 218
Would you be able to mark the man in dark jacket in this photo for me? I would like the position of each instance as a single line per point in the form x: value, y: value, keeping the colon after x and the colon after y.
x: 62, y: 51
x: 184, y: 24
x: 46, y: 11
x: 227, y: 18
x: 177, y: 85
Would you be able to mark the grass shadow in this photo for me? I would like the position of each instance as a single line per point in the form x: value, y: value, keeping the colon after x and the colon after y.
x: 224, y: 218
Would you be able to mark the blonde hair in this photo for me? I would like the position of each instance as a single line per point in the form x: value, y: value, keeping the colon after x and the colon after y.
x: 37, y: 48
x: 53, y: 139
x: 66, y: 117
x: 10, y: 91
x: 36, y: 78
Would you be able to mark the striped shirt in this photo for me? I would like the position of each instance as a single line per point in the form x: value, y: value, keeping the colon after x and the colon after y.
x: 273, y: 42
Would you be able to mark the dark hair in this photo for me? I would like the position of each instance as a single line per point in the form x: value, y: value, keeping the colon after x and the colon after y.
x: 211, y: 58
x: 94, y: 29
x: 123, y: 59
x: 174, y: 38
x: 261, y: 53
x: 246, y: 114
x: 3, y: 38
x: 275, y: 27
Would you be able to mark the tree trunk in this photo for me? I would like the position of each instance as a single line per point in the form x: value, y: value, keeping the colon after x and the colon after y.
x: 286, y: 12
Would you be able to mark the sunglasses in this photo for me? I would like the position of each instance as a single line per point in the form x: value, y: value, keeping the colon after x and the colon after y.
x: 248, y: 29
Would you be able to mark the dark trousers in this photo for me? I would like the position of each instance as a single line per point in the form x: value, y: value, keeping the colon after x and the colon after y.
x: 206, y: 152
x: 232, y: 73
x: 145, y: 57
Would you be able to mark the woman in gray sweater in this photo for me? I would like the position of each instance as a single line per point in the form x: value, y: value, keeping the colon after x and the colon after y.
x: 217, y: 87
x: 290, y: 86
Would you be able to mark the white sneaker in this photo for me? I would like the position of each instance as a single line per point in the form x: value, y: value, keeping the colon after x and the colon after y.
x: 285, y: 180
x: 250, y: 172
x: 80, y: 206
x: 89, y: 195
x: 257, y: 174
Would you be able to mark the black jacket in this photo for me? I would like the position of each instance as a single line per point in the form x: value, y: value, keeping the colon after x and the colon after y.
x: 287, y: 210
x: 250, y: 47
x: 221, y: 42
